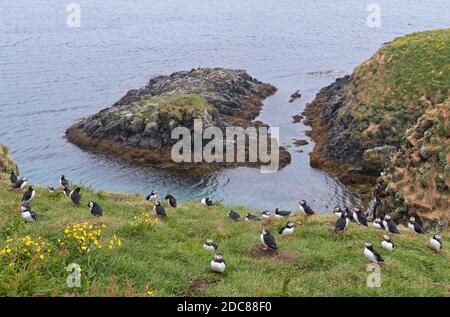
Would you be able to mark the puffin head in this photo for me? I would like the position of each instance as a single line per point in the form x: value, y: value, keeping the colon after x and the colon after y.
x: 302, y: 202
x: 368, y: 244
x: 218, y: 257
x: 387, y: 238
x: 337, y: 209
x: 437, y: 237
x: 157, y: 203
x: 90, y: 204
x: 387, y: 217
x: 412, y: 219
x: 290, y: 224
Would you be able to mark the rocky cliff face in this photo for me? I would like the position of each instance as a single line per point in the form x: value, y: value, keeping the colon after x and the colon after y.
x: 418, y: 181
x: 359, y: 122
x: 138, y: 127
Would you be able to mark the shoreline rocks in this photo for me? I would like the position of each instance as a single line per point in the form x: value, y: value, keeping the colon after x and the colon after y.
x: 138, y: 127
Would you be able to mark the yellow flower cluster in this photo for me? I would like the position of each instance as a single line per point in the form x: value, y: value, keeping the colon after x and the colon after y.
x: 144, y: 219
x: 114, y: 242
x: 82, y: 238
x: 21, y: 250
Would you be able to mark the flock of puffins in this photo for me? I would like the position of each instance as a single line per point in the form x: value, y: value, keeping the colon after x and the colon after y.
x: 269, y: 244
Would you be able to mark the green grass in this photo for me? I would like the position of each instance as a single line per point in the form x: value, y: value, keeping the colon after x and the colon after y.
x: 396, y: 86
x: 175, y: 106
x: 167, y: 257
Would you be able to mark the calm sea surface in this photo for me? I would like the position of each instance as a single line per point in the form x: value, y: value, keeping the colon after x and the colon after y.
x: 51, y: 75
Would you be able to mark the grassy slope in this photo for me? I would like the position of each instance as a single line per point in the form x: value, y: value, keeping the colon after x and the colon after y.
x: 168, y: 257
x: 392, y: 89
x: 174, y: 105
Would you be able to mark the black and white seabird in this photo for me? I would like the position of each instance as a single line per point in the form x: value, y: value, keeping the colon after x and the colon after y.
x: 95, y: 209
x: 341, y: 223
x: 218, y: 263
x: 349, y: 214
x: 66, y: 191
x: 28, y: 215
x: 266, y: 214
x: 152, y: 195
x: 268, y: 240
x: 337, y: 211
x: 51, y: 189
x: 75, y: 196
x: 414, y: 226
x: 288, y: 229
x: 210, y: 245
x: 282, y: 213
x: 387, y: 243
x: 207, y: 202
x: 390, y: 225
x: 359, y: 216
x: 305, y: 208
x: 29, y: 194
x: 159, y: 209
x: 63, y: 181
x: 436, y: 243
x: 234, y: 215
x: 14, y: 178
x: 171, y: 200
x: 250, y: 217
x: 371, y: 254
x: 21, y: 183
x: 378, y: 224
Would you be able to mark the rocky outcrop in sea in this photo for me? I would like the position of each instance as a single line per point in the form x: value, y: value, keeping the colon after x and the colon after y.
x: 138, y: 127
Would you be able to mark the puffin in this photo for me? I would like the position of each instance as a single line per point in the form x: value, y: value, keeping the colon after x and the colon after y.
x: 29, y: 194
x: 159, y: 209
x: 282, y: 213
x: 250, y: 217
x: 66, y: 191
x: 152, y: 195
x: 13, y: 178
x: 171, y: 200
x: 337, y: 211
x: 390, y: 225
x: 387, y: 243
x: 75, y: 196
x: 210, y: 245
x: 207, y: 202
x: 436, y: 243
x: 95, y: 209
x: 28, y: 215
x: 63, y: 181
x: 265, y: 214
x: 341, y: 223
x: 414, y: 226
x: 288, y: 229
x: 378, y: 224
x: 349, y: 214
x: 305, y: 208
x: 371, y: 254
x: 359, y: 216
x: 268, y: 241
x: 51, y: 189
x: 21, y: 183
x: 234, y: 215
x: 218, y: 263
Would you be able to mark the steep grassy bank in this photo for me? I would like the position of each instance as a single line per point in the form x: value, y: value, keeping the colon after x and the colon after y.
x: 166, y: 257
x: 359, y: 122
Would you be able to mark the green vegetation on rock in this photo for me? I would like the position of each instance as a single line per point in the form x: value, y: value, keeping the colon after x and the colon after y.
x: 391, y: 90
x: 175, y: 106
